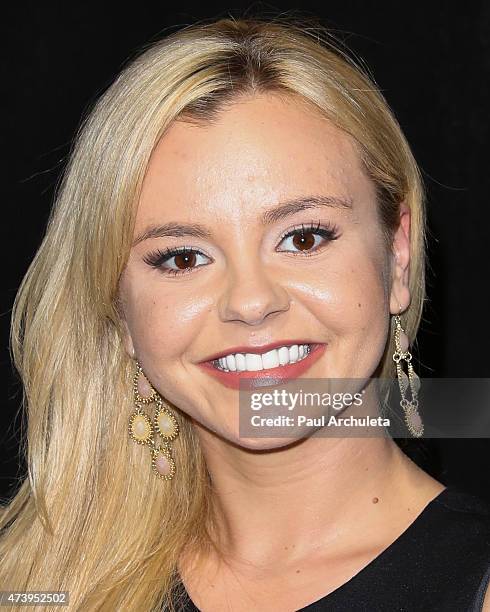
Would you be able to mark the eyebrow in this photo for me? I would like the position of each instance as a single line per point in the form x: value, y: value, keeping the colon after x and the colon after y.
x: 272, y: 215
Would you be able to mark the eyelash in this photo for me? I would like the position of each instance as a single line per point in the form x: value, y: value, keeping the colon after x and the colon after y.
x: 157, y: 258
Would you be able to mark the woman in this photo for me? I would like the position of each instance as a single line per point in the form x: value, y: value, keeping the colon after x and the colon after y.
x: 239, y: 201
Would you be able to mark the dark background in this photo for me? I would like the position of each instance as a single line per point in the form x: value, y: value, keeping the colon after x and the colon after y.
x: 432, y: 62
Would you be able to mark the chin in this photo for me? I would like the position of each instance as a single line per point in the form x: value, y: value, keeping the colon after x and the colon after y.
x: 265, y: 444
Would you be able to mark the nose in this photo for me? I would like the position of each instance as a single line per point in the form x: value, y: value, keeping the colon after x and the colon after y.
x: 251, y: 296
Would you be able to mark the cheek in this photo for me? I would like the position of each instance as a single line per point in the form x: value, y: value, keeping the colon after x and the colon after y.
x: 162, y: 322
x: 349, y: 299
x: 349, y: 287
x: 352, y: 303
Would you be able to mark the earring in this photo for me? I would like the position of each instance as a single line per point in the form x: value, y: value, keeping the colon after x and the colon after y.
x: 410, y: 407
x: 142, y: 429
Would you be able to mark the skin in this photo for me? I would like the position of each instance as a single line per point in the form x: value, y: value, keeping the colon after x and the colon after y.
x: 315, y: 511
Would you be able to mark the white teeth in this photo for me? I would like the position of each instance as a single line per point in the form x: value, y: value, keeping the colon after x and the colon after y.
x: 283, y: 355
x: 241, y: 364
x: 253, y: 362
x: 293, y: 353
x: 230, y: 363
x: 272, y: 359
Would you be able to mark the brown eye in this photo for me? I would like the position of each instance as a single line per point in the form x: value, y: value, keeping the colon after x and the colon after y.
x: 304, y: 241
x: 310, y: 238
x: 176, y: 261
x: 185, y: 260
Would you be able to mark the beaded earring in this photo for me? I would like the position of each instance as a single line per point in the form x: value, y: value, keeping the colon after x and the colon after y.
x: 142, y: 429
x: 410, y: 407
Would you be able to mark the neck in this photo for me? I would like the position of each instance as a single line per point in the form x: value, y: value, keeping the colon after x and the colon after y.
x: 278, y: 507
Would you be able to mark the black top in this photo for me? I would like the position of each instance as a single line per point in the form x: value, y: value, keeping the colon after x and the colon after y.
x: 441, y: 562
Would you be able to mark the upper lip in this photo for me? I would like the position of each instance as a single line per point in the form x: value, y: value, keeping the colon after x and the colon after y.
x: 264, y: 348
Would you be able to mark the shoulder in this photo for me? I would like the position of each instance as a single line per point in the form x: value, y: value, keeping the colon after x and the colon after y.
x: 457, y: 538
x: 464, y: 515
x: 459, y: 523
x: 442, y: 561
x: 459, y: 501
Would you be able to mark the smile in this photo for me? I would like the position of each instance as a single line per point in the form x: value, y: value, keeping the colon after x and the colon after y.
x: 246, y: 370
x: 252, y: 362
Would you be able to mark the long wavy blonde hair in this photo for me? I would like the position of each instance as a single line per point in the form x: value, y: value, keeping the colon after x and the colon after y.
x: 91, y: 517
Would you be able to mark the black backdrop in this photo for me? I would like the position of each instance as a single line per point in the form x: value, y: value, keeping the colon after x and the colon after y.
x: 432, y: 62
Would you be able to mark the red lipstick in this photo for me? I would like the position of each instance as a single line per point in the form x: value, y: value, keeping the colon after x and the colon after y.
x: 266, y: 377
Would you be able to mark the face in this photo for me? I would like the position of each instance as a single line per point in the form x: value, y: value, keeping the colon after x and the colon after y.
x: 289, y: 251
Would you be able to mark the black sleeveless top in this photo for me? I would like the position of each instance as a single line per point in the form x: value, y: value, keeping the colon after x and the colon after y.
x: 441, y: 562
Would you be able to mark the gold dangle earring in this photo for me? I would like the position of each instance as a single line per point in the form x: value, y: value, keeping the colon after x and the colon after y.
x: 142, y: 429
x: 410, y: 407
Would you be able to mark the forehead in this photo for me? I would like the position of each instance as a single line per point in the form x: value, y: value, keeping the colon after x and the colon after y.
x: 259, y: 151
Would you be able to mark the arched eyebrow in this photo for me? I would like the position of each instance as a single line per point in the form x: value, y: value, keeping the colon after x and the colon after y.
x: 272, y: 215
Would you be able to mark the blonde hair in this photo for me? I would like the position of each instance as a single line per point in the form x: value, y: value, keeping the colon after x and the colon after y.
x: 91, y: 517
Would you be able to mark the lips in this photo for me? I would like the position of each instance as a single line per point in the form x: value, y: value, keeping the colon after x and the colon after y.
x: 261, y: 378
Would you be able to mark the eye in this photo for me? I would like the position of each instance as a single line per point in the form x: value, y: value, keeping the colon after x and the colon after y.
x: 185, y: 260
x: 307, y: 238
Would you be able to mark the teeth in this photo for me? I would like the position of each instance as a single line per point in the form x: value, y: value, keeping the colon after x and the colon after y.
x: 283, y: 355
x: 270, y: 359
x: 241, y: 364
x: 230, y: 363
x: 293, y: 353
x: 252, y: 362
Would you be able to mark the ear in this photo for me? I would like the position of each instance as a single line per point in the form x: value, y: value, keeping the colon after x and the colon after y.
x: 126, y: 333
x: 400, y: 292
x: 128, y: 340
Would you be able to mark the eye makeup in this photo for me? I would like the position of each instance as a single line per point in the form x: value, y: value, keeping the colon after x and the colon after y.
x: 188, y: 255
